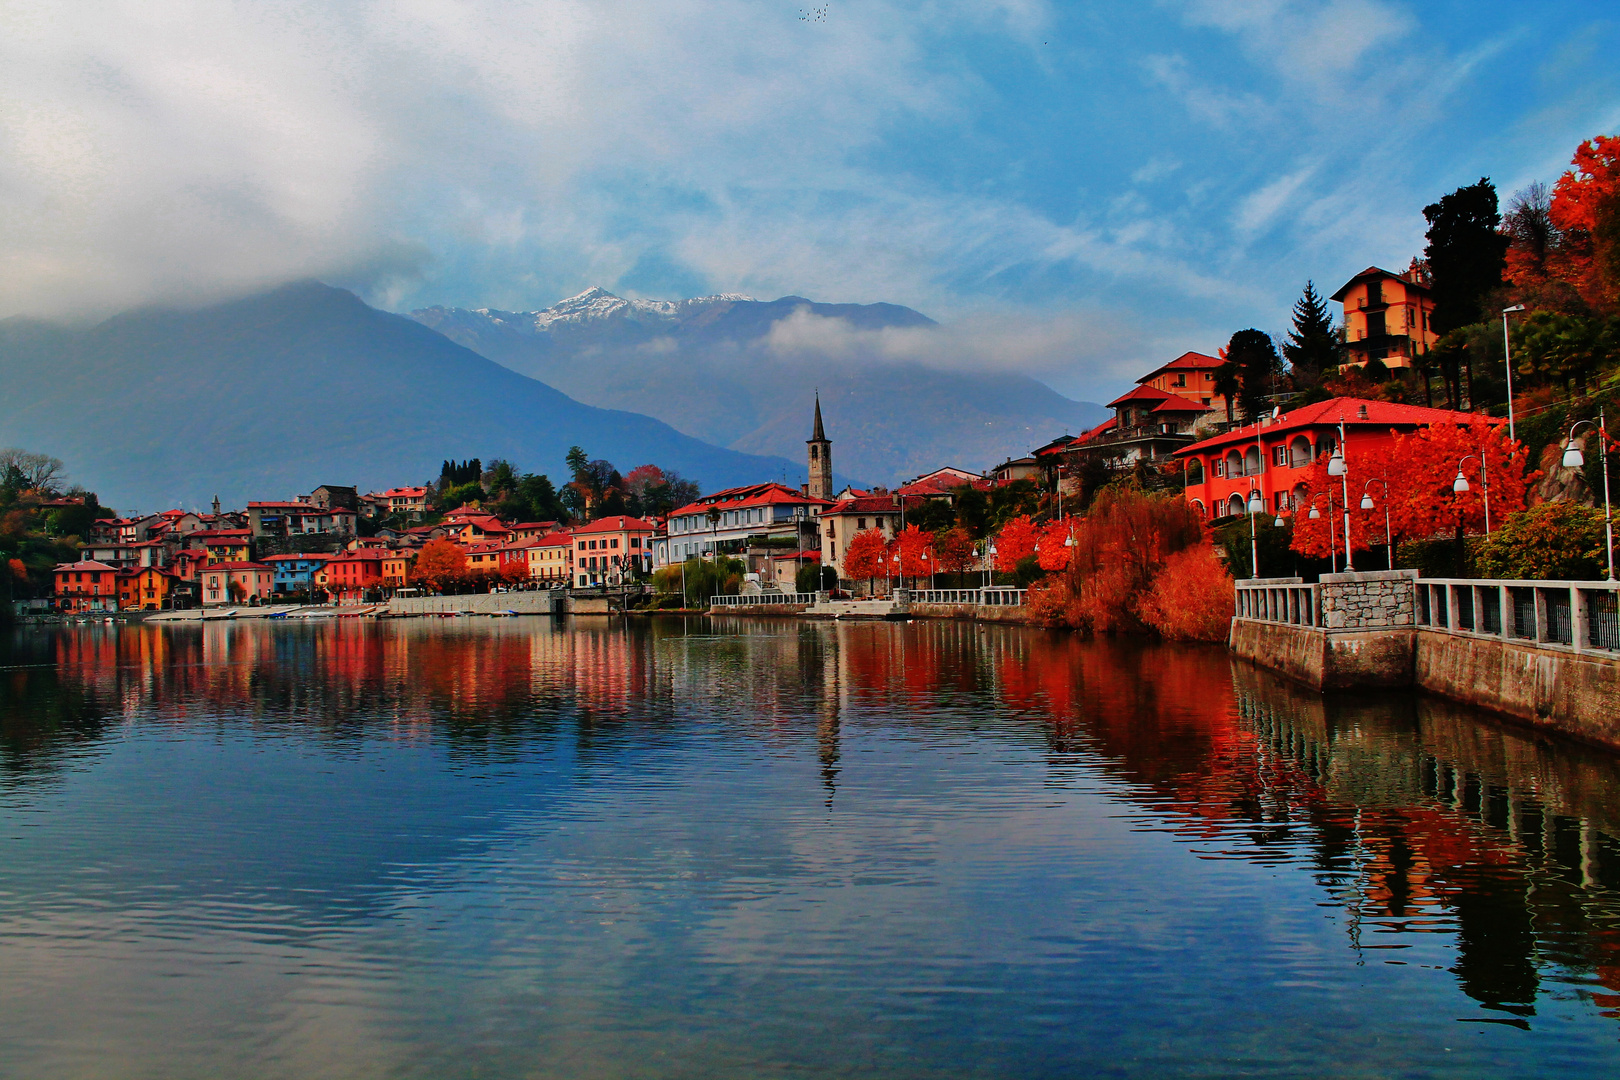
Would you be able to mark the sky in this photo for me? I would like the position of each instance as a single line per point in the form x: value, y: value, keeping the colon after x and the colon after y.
x: 1078, y: 191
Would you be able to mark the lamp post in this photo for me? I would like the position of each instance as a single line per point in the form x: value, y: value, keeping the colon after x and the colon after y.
x: 1574, y: 459
x: 1256, y: 504
x: 1337, y: 467
x: 1367, y: 504
x: 1507, y: 360
x: 1460, y: 485
x: 1315, y: 514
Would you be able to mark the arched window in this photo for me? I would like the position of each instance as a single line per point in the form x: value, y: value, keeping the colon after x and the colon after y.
x: 1251, y: 461
x: 1234, y: 463
x: 1234, y: 505
x: 1198, y: 505
x: 1299, y: 452
x: 1195, y: 471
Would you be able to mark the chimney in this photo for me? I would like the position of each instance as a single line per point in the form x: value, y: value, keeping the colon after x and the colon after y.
x: 1361, y: 412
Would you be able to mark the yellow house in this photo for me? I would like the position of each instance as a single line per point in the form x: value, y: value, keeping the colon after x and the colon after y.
x: 551, y: 557
x: 1191, y: 376
x: 1386, y: 317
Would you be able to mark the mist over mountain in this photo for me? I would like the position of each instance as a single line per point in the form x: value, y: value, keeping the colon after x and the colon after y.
x: 741, y: 372
x: 269, y: 396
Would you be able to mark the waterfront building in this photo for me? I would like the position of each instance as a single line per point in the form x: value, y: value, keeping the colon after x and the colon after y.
x: 1275, y: 456
x: 236, y: 583
x: 85, y: 585
x: 611, y: 550
x: 396, y: 569
x: 841, y: 522
x: 410, y: 501
x: 1387, y: 317
x: 224, y: 545
x: 734, y: 520
x: 352, y: 577
x: 294, y: 573
x: 145, y: 588
x: 551, y: 558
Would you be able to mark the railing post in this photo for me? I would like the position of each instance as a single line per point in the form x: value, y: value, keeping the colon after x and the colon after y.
x: 1577, y: 617
x: 1543, y: 615
x: 1451, y: 608
x: 1504, y: 604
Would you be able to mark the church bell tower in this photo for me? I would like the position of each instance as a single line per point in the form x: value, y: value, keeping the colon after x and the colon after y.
x: 821, y: 481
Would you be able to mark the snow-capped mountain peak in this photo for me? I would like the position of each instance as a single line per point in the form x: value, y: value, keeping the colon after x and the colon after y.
x: 596, y: 304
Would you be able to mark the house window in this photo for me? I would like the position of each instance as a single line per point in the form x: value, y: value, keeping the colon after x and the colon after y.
x: 1220, y: 466
x: 1279, y: 455
x: 1181, y: 379
x: 614, y: 542
x: 860, y: 525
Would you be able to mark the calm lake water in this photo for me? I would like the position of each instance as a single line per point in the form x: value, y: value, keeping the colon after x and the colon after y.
x: 470, y: 848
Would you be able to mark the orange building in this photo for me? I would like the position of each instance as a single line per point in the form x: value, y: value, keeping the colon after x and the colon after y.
x: 1275, y: 456
x: 86, y: 586
x: 396, y: 569
x: 612, y: 549
x: 1386, y: 317
x: 1190, y: 375
x: 145, y: 588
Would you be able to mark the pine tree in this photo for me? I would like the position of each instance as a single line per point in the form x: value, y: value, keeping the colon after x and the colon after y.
x: 1313, y: 345
x: 1253, y: 358
x: 1466, y: 253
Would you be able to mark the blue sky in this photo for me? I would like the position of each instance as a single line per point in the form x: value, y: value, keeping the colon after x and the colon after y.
x: 1074, y: 190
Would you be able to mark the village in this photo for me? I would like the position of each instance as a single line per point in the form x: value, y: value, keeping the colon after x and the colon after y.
x: 339, y: 547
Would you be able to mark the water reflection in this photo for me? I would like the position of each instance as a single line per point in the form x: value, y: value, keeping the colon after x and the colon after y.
x: 1433, y: 837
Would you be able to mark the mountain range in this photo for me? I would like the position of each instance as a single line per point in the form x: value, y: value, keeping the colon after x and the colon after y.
x: 267, y: 397
x: 721, y: 369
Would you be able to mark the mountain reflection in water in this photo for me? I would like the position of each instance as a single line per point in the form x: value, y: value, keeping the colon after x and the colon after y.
x: 1412, y: 823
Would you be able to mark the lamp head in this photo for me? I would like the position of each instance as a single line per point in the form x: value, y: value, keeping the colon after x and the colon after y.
x: 1366, y: 502
x: 1515, y: 307
x: 1460, y: 484
x: 1279, y: 523
x: 1573, y: 458
x: 1256, y: 504
x: 1315, y: 514
x: 1336, y: 463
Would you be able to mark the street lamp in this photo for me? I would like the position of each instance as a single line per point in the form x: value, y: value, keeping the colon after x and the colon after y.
x: 1460, y: 485
x: 1367, y: 504
x: 1256, y: 504
x: 1315, y: 515
x: 1574, y: 459
x: 1338, y: 467
x: 1507, y: 359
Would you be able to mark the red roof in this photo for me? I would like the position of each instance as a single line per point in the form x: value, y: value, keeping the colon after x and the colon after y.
x: 289, y: 505
x: 562, y: 538
x: 296, y: 558
x: 616, y: 523
x: 1380, y: 414
x: 871, y: 504
x: 771, y: 494
x: 1378, y: 272
x: 1139, y: 393
x: 795, y: 556
x: 235, y: 566
x: 207, y: 535
x: 82, y: 564
x: 1187, y: 361
x: 1177, y: 403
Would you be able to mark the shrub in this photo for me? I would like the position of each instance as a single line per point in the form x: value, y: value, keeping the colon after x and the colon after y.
x: 1192, y: 598
x: 815, y: 578
x: 1558, y: 541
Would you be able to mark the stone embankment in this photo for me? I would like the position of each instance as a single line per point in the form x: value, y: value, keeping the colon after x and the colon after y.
x: 1546, y: 653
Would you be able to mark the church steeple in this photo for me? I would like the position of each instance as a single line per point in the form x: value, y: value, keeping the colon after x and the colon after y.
x: 821, y: 483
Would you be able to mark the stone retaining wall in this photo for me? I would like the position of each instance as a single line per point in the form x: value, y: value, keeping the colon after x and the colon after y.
x: 969, y: 612
x: 1364, y: 601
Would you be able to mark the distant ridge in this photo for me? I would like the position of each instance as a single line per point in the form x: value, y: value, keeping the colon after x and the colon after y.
x: 708, y: 367
x: 271, y: 395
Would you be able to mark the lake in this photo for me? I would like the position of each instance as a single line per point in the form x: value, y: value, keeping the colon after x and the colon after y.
x: 758, y: 848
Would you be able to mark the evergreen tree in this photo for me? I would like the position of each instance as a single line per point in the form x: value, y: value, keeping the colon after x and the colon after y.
x: 1313, y: 345
x: 1465, y: 252
x: 1253, y: 360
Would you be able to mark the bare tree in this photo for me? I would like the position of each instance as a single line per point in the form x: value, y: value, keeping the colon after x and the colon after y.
x: 32, y: 472
x: 1529, y: 221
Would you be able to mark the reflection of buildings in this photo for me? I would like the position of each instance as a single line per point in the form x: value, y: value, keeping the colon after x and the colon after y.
x: 1412, y: 817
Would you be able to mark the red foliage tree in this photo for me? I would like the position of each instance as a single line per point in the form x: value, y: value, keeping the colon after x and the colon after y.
x: 1054, y: 547
x: 1191, y: 598
x: 955, y: 551
x: 1016, y: 541
x: 912, y: 544
x: 515, y: 572
x: 864, y: 558
x: 1420, y: 468
x: 1586, y: 209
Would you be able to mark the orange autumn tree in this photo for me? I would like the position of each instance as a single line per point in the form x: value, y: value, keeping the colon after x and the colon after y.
x: 440, y: 563
x: 1420, y: 468
x: 1054, y: 548
x: 864, y: 558
x: 1016, y: 541
x: 911, y: 545
x: 515, y: 572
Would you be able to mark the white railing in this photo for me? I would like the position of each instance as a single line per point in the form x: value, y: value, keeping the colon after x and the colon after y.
x: 991, y: 597
x: 1580, y: 616
x: 1280, y: 600
x: 762, y: 599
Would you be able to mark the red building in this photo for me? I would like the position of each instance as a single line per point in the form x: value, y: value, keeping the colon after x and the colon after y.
x: 354, y: 577
x: 1275, y: 456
